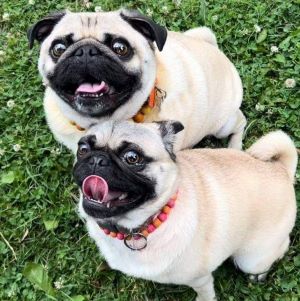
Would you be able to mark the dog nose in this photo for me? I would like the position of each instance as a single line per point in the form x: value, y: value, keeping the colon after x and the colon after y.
x: 99, y: 161
x: 87, y: 50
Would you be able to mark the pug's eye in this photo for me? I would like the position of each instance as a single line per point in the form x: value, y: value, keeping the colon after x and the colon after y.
x: 132, y: 157
x: 83, y: 149
x: 120, y: 47
x: 58, y: 49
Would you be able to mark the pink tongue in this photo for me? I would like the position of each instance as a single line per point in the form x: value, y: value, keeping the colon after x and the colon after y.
x: 95, y: 188
x: 92, y: 88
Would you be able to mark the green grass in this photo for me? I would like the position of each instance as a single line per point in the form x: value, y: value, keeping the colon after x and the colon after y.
x: 36, y: 185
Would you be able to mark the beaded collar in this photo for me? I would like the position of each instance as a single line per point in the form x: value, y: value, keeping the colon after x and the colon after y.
x: 155, y: 98
x: 136, y: 239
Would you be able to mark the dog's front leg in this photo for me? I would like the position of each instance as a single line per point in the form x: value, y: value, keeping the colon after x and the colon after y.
x: 238, y: 131
x: 235, y: 127
x: 204, y: 286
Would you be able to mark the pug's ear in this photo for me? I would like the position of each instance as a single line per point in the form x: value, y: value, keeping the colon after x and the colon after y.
x: 41, y: 30
x: 146, y: 26
x: 168, y: 130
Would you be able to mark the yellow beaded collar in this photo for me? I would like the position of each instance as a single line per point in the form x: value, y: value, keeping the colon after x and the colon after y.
x: 147, y: 107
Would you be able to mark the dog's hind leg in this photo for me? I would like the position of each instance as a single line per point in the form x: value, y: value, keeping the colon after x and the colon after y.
x: 202, y: 33
x: 235, y: 127
x: 204, y: 287
x: 258, y: 261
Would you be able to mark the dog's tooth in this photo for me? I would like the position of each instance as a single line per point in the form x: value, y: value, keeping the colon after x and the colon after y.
x: 122, y: 196
x: 108, y: 205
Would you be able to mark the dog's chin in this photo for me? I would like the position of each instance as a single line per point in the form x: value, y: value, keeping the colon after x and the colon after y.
x: 116, y: 207
x: 95, y: 104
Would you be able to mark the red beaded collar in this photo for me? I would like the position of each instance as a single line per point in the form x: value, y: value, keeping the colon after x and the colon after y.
x: 137, y: 239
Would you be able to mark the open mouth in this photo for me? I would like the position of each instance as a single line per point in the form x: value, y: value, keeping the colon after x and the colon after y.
x: 94, y: 91
x: 96, y: 191
x: 86, y: 92
x: 93, y: 98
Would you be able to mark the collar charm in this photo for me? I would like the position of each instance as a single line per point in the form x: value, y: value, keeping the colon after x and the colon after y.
x: 155, y: 98
x: 137, y: 240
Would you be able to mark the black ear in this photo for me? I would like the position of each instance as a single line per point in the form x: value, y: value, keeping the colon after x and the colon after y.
x: 146, y: 26
x: 168, y: 130
x: 40, y: 30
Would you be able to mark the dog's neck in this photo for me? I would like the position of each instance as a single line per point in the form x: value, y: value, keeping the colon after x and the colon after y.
x: 154, y: 221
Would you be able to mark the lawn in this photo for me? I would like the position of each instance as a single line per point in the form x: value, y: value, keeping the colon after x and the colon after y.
x: 45, y: 253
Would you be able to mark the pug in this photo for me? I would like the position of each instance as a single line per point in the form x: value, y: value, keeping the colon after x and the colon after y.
x: 120, y: 65
x: 175, y: 218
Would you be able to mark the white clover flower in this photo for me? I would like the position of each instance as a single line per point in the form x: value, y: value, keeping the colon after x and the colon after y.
x: 98, y: 9
x: 31, y: 2
x: 6, y: 17
x: 59, y: 283
x: 56, y: 151
x: 290, y: 83
x: 177, y: 2
x: 257, y: 28
x: 87, y: 3
x: 259, y: 107
x: 9, y: 35
x: 215, y: 18
x: 274, y: 49
x: 16, y: 147
x: 2, y: 152
x: 10, y: 104
x: 165, y: 8
x: 2, y: 53
x: 149, y: 12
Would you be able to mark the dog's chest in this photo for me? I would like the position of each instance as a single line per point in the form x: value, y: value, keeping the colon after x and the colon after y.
x: 159, y: 261
x: 150, y: 263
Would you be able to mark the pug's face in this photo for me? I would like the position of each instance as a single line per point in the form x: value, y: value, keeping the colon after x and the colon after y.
x: 98, y: 63
x: 122, y: 165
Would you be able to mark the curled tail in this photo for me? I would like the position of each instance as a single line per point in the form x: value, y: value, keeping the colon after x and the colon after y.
x: 276, y: 146
x: 203, y: 33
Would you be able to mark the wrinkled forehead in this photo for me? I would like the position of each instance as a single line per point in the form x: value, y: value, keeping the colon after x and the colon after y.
x: 92, y: 25
x: 115, y: 134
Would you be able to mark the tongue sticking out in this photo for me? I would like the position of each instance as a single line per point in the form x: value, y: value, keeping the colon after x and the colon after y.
x: 96, y: 188
x: 92, y: 88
